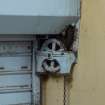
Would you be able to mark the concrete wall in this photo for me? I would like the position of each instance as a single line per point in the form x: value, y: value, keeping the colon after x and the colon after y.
x: 88, y: 86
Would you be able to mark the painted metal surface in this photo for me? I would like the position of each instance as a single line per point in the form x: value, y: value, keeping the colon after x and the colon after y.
x: 65, y: 61
x: 53, y: 58
x: 52, y: 45
x: 35, y: 24
x: 37, y: 16
x: 17, y: 74
x: 39, y: 7
x: 36, y: 83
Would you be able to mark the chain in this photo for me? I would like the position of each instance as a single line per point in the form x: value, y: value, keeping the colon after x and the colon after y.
x: 66, y: 90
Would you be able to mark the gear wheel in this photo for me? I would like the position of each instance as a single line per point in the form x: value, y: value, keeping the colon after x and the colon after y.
x: 52, y: 45
x: 51, y: 66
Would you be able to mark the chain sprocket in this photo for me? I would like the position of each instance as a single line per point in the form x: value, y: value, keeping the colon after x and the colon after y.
x: 52, y: 45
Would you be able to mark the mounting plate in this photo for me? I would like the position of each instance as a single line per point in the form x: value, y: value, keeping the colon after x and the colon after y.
x: 65, y: 60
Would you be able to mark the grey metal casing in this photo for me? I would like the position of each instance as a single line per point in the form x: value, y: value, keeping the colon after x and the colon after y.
x: 37, y: 16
